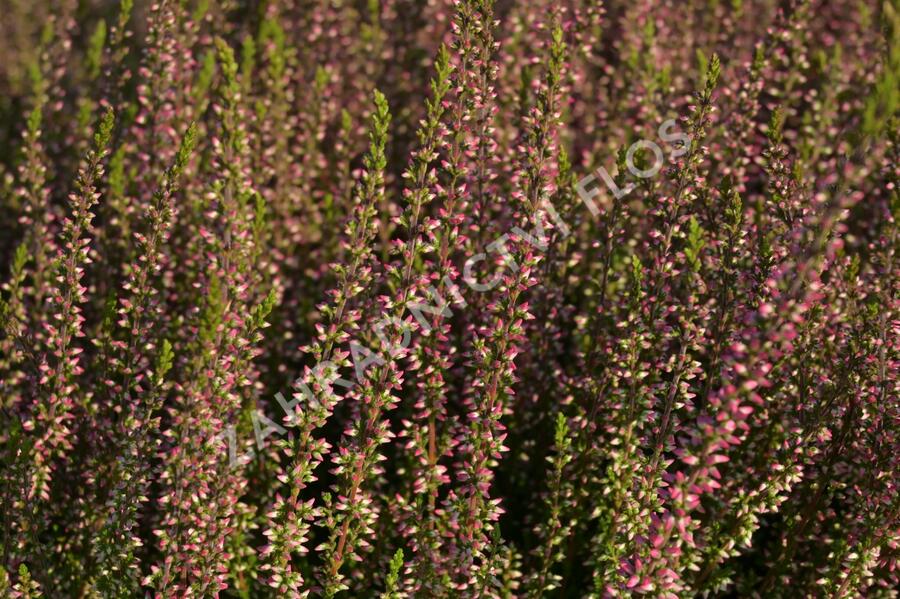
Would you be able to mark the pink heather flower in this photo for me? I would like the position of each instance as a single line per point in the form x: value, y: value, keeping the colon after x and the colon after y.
x: 615, y: 312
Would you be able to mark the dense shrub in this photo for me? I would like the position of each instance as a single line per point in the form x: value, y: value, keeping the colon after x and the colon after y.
x: 449, y: 298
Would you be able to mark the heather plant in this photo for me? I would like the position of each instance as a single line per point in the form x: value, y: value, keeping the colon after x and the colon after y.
x: 455, y: 298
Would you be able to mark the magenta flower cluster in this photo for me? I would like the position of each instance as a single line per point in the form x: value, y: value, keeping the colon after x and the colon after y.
x: 449, y: 298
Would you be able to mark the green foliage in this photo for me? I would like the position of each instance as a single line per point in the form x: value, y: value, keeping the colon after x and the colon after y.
x: 393, y: 577
x: 104, y: 132
x: 695, y: 243
x: 94, y: 55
